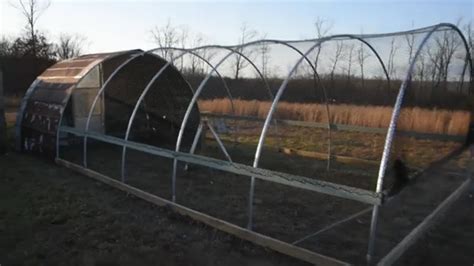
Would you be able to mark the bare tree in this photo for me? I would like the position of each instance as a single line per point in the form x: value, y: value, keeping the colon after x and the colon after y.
x: 264, y: 50
x: 166, y: 36
x: 170, y: 36
x: 323, y: 28
x: 246, y: 35
x: 421, y: 69
x: 350, y: 55
x: 183, y: 36
x: 434, y: 63
x: 338, y: 55
x: 32, y: 11
x: 410, y: 39
x: 362, y: 56
x: 391, y: 58
x: 446, y: 45
x: 5, y: 46
x: 469, y: 33
x: 195, y: 63
x: 69, y: 45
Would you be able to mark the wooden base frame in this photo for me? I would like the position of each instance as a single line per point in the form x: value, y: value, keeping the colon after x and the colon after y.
x: 256, y: 238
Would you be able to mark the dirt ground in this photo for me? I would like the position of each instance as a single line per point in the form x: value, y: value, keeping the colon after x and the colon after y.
x: 52, y: 216
x: 280, y: 211
x: 450, y: 242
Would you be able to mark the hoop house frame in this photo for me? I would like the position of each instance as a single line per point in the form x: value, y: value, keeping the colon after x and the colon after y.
x: 375, y: 198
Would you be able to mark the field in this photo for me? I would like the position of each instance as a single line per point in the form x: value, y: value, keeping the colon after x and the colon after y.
x: 416, y: 152
x: 411, y: 119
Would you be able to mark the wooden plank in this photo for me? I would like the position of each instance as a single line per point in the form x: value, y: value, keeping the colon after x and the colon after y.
x: 3, y: 124
x: 324, y: 156
x: 2, y: 101
x: 256, y: 238
x: 358, y: 172
x: 342, y: 127
x: 424, y: 226
x: 291, y: 180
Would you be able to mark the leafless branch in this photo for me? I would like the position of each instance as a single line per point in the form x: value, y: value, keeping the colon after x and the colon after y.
x: 69, y: 45
x: 240, y: 63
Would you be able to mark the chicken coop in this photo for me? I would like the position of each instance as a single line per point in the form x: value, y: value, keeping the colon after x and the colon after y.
x: 65, y: 92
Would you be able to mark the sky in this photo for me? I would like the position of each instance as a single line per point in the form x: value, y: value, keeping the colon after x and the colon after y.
x: 124, y: 24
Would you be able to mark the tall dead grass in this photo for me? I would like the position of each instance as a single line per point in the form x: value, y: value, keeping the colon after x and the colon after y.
x: 411, y: 119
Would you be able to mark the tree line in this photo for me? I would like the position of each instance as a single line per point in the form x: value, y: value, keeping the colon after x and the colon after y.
x: 34, y: 43
x: 345, y: 69
x: 349, y: 78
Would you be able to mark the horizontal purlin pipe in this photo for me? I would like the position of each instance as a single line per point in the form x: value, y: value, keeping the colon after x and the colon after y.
x: 291, y: 180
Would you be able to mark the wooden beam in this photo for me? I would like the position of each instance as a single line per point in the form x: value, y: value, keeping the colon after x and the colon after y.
x: 3, y: 124
x: 291, y: 180
x: 2, y: 102
x: 256, y: 238
x: 324, y: 156
x: 423, y: 227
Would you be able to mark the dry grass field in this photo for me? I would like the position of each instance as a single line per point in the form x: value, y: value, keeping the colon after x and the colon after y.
x: 450, y: 122
x: 411, y: 119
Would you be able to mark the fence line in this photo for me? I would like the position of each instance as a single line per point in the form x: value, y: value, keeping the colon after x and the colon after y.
x: 339, y: 127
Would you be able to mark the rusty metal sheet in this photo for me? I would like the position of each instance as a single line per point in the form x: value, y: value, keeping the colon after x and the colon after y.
x: 51, y: 92
x: 69, y: 80
x: 62, y: 72
x: 39, y: 126
x: 47, y: 85
x: 41, y: 123
x: 73, y: 63
x: 34, y: 141
x: 50, y: 96
x: 41, y: 109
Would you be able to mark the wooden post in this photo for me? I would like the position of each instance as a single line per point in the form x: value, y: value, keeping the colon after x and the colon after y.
x: 3, y: 128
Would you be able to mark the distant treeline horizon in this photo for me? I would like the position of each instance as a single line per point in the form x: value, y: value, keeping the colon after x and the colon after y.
x: 341, y: 90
